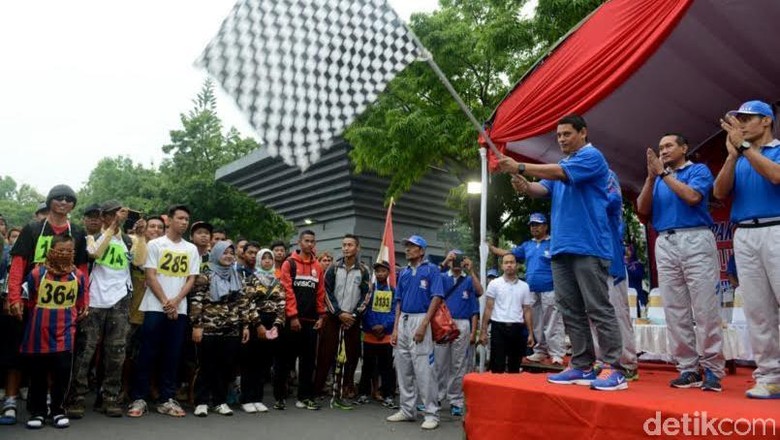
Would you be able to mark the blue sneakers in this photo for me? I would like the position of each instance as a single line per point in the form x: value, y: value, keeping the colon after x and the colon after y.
x: 711, y: 381
x: 456, y: 411
x: 574, y: 376
x: 609, y: 379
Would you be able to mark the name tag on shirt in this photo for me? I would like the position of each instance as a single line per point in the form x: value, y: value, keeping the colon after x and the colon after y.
x: 173, y: 264
x: 115, y: 257
x: 57, y: 294
x: 42, y: 247
x: 382, y: 301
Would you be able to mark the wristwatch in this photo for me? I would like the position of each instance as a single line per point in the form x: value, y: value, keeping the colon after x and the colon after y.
x: 665, y: 173
x: 520, y: 168
x: 744, y: 146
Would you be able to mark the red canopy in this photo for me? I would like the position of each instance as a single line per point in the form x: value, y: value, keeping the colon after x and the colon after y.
x: 638, y: 69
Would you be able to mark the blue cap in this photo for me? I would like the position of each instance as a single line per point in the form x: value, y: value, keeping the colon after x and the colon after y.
x: 754, y: 108
x: 492, y: 273
x: 537, y: 217
x: 415, y: 240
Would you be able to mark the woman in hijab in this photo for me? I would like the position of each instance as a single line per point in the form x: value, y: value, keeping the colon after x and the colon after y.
x: 267, y: 317
x: 220, y: 324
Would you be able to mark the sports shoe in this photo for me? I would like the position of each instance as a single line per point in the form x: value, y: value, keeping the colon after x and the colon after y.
x: 389, y: 402
x: 687, y: 379
x: 76, y: 409
x: 456, y: 411
x: 223, y: 409
x: 249, y: 408
x: 8, y: 413
x: 571, y: 376
x: 111, y: 408
x: 171, y: 408
x: 399, y: 417
x: 430, y: 424
x: 537, y: 357
x: 312, y: 405
x: 300, y: 404
x: 201, y: 411
x: 631, y: 375
x: 260, y: 407
x: 137, y: 408
x: 711, y: 382
x: 764, y: 391
x: 420, y: 407
x: 609, y: 379
x: 280, y: 405
x: 557, y: 360
x: 362, y: 400
x: 60, y: 421
x: 337, y: 403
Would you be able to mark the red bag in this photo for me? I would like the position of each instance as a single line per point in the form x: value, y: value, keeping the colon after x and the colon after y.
x: 443, y: 328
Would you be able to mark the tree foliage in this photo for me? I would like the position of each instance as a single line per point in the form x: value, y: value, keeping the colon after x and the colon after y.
x: 18, y: 203
x: 483, y: 47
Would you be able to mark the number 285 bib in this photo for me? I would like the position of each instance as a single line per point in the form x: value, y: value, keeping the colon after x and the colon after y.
x: 174, y: 264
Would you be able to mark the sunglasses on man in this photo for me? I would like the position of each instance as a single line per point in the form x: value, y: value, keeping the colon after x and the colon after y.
x: 68, y: 199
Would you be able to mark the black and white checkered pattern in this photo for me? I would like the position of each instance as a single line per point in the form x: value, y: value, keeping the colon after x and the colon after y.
x: 303, y: 70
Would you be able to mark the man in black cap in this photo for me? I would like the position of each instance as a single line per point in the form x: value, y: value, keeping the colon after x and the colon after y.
x: 107, y: 322
x: 42, y: 211
x: 200, y: 236
x: 92, y: 221
x: 31, y: 247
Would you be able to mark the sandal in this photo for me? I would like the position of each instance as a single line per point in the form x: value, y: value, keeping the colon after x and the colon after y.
x: 61, y: 421
x: 8, y: 415
x: 35, y: 422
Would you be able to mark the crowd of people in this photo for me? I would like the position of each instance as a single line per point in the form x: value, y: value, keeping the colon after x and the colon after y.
x: 134, y: 311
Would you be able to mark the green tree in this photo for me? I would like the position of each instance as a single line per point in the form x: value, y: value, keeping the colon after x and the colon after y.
x: 119, y: 178
x: 18, y: 204
x: 196, y: 150
x: 484, y: 47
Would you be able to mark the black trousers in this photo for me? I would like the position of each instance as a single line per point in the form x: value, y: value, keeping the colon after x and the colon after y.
x: 256, y: 358
x: 217, y: 360
x: 378, y: 358
x: 40, y: 366
x: 508, y: 343
x: 298, y: 346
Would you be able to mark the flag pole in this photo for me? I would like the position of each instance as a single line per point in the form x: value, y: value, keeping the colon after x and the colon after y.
x: 428, y: 57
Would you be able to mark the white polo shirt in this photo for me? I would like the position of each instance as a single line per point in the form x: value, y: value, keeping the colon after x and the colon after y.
x: 510, y: 297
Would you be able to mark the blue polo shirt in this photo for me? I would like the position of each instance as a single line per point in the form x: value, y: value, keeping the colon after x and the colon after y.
x: 462, y: 301
x: 617, y: 267
x: 579, y: 205
x: 538, y: 270
x: 754, y: 195
x: 671, y: 212
x: 417, y: 286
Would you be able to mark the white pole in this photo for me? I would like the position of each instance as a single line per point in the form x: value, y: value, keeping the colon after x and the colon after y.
x: 483, y: 247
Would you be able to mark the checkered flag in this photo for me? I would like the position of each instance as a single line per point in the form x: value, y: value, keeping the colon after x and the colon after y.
x: 303, y: 70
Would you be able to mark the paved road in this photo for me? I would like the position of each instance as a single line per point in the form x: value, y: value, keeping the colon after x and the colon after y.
x: 364, y: 422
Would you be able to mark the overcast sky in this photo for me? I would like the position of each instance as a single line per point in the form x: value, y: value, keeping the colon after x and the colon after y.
x: 84, y: 79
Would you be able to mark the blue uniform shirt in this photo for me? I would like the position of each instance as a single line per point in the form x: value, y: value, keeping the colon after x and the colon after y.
x: 579, y: 205
x: 754, y: 195
x: 417, y: 286
x: 372, y: 317
x: 671, y: 212
x: 617, y: 267
x: 462, y: 301
x: 538, y: 270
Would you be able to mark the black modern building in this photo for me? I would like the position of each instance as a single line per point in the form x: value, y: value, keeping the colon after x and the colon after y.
x: 332, y: 200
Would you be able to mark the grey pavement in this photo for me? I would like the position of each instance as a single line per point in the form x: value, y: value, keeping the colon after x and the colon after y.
x: 363, y: 422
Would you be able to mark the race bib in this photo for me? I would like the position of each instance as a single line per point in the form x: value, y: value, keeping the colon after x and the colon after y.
x: 57, y: 294
x: 382, y: 301
x: 174, y: 264
x: 42, y: 247
x: 115, y: 257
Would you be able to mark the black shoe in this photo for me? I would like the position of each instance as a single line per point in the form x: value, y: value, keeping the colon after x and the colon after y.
x: 312, y: 405
x: 280, y: 405
x: 687, y: 379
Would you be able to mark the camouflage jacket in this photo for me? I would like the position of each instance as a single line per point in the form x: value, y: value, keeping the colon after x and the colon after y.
x: 267, y: 302
x: 225, y: 317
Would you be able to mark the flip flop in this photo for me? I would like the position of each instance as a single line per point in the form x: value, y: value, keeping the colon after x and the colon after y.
x: 8, y: 416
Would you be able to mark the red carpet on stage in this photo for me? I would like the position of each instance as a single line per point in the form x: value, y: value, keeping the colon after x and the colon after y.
x: 525, y: 406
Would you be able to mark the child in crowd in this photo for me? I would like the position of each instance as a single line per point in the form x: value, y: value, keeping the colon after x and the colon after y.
x: 58, y: 297
x: 377, y: 328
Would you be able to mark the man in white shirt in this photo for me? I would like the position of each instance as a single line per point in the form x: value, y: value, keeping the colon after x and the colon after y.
x: 508, y: 310
x: 107, y: 323
x: 172, y: 264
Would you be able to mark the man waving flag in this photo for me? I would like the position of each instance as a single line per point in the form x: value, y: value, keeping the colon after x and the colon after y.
x: 303, y: 70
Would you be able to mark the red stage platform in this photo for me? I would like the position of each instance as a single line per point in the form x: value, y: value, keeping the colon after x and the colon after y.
x: 524, y: 406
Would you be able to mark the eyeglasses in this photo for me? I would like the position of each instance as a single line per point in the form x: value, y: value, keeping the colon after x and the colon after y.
x: 67, y: 199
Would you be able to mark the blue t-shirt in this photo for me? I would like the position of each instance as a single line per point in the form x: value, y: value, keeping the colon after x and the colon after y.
x: 755, y: 196
x: 579, y: 205
x: 417, y: 286
x: 538, y: 270
x: 372, y: 316
x: 617, y: 267
x: 671, y: 212
x: 462, y: 301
